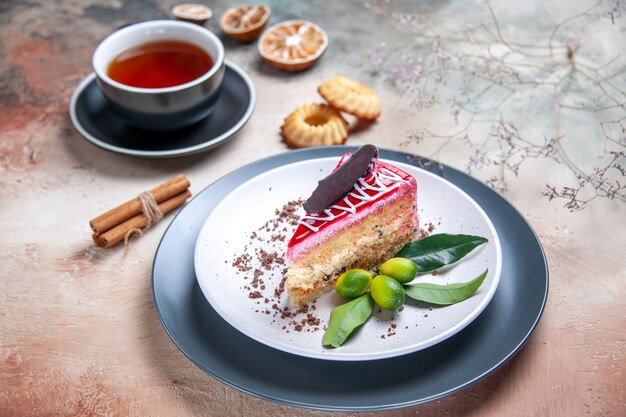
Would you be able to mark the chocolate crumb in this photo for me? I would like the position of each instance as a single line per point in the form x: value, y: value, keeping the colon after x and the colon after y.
x: 312, y: 320
x: 278, y: 237
x: 263, y: 255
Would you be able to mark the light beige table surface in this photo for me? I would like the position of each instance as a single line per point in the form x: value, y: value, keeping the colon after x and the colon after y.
x: 79, y: 334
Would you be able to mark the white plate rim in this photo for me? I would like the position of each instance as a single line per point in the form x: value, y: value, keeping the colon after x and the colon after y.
x: 335, y: 354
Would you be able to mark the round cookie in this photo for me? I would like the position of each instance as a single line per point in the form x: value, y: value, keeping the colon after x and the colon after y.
x: 314, y: 125
x: 352, y: 97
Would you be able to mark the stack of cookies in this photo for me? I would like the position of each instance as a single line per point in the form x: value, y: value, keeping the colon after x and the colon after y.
x: 323, y: 124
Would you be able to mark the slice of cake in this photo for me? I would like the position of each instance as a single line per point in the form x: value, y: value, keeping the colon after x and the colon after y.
x: 358, y: 228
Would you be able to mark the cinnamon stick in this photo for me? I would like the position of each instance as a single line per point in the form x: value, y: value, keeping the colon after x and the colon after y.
x: 118, y: 233
x: 132, y: 208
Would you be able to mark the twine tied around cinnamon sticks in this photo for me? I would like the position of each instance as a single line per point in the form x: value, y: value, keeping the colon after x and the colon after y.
x: 135, y: 216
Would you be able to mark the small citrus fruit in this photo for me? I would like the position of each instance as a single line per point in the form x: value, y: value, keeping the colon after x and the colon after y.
x: 353, y: 283
x: 387, y: 292
x: 402, y: 270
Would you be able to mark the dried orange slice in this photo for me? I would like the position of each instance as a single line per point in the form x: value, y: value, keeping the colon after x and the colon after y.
x: 314, y: 125
x: 293, y: 45
x: 192, y: 12
x: 245, y: 23
x: 351, y: 96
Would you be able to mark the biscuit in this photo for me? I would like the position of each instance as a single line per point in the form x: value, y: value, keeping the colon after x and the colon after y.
x: 314, y: 125
x: 352, y: 97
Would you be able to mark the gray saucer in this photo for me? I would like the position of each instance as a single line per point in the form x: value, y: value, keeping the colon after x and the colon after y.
x: 93, y: 118
x: 241, y: 362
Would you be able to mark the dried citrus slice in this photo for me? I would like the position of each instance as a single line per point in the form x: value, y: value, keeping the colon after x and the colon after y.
x: 192, y: 12
x: 314, y: 125
x: 352, y: 97
x: 245, y: 23
x: 293, y: 45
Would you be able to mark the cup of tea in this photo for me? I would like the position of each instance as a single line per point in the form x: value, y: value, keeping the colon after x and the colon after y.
x: 160, y: 74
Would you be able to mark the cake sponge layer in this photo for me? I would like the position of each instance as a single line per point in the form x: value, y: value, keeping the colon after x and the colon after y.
x: 364, y: 244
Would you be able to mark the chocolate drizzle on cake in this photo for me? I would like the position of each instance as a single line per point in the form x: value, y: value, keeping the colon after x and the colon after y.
x: 340, y: 182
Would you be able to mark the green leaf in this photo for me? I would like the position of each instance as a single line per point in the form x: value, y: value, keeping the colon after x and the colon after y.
x: 344, y: 319
x: 444, y: 294
x: 435, y: 251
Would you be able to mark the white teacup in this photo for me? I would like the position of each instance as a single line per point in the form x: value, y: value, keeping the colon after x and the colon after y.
x: 161, y: 108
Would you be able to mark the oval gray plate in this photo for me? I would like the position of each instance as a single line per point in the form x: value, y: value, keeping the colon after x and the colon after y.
x: 93, y: 118
x: 239, y: 361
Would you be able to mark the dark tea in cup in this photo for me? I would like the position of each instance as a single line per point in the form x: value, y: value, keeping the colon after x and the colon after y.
x: 160, y: 74
x: 160, y: 64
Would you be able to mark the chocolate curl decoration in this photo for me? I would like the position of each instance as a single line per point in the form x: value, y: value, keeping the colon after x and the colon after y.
x: 340, y: 182
x: 371, y: 168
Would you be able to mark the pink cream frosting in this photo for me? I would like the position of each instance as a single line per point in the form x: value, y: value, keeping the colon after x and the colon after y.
x: 385, y: 184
